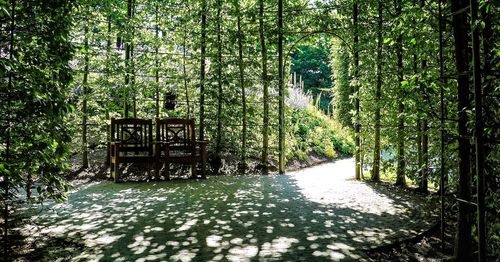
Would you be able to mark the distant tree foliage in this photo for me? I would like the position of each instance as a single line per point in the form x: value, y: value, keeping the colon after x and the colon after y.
x: 312, y: 62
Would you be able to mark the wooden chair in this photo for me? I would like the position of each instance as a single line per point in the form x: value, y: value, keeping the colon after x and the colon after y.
x: 176, y: 143
x: 131, y: 141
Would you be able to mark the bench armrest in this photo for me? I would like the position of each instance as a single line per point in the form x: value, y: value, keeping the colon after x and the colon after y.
x: 115, y: 143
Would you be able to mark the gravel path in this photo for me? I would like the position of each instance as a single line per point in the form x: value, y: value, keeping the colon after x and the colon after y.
x: 315, y: 214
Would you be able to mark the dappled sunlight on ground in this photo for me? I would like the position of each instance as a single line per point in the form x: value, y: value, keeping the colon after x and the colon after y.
x: 334, y: 184
x: 310, y: 215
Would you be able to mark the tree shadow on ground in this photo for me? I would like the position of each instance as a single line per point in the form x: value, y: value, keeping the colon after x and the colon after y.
x: 241, y: 218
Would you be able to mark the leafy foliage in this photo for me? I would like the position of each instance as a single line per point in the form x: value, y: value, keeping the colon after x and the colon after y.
x: 33, y: 93
x: 312, y: 62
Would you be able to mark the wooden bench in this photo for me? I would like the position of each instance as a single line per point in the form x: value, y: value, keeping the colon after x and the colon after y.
x: 131, y: 141
x: 176, y: 143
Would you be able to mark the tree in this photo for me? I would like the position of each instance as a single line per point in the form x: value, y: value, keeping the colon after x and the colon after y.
x: 463, y: 251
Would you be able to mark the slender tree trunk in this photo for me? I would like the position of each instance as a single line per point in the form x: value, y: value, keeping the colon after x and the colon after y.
x: 281, y: 91
x: 419, y: 101
x: 85, y: 161
x: 242, y: 86
x: 127, y: 64
x: 463, y: 251
x: 488, y: 89
x: 108, y: 59
x: 442, y: 179
x: 132, y: 76
x: 6, y: 197
x: 357, y: 125
x: 157, y: 65
x: 218, y: 142
x: 265, y: 86
x: 184, y: 71
x: 202, y: 67
x: 425, y: 127
x: 400, y: 172
x: 425, y: 155
x: 479, y: 129
x: 378, y: 96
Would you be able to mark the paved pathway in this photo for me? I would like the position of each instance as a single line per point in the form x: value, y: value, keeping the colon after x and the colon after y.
x: 315, y: 214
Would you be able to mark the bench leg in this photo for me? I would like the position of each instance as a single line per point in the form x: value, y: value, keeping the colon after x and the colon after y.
x: 157, y: 167
x: 203, y: 168
x: 167, y: 167
x: 116, y: 172
x: 112, y: 169
x: 193, y: 170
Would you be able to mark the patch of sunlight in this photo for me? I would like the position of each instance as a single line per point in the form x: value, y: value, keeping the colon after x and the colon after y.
x: 104, y: 239
x: 277, y: 247
x: 184, y: 255
x: 186, y: 226
x: 140, y: 244
x: 333, y: 255
x: 56, y: 229
x: 333, y: 184
x: 242, y: 253
x: 339, y: 246
x: 214, y: 241
x: 151, y: 258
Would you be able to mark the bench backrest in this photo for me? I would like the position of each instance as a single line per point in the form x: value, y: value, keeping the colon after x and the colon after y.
x: 178, y: 132
x: 133, y: 134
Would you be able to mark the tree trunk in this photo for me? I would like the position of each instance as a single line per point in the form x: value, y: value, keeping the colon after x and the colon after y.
x: 378, y: 97
x: 242, y: 86
x: 219, y: 80
x: 442, y: 179
x: 425, y: 128
x: 132, y: 75
x: 126, y: 87
x: 184, y: 71
x: 281, y: 91
x: 479, y: 129
x: 265, y: 86
x: 157, y: 66
x: 6, y: 196
x: 357, y: 126
x: 108, y: 52
x: 425, y: 155
x: 202, y: 67
x: 463, y: 251
x: 85, y: 160
x: 400, y: 172
x: 419, y: 101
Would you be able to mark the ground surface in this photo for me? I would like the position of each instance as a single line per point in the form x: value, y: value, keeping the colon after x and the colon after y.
x: 315, y: 214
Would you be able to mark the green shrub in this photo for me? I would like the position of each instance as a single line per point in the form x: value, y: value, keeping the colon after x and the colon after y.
x: 312, y: 131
